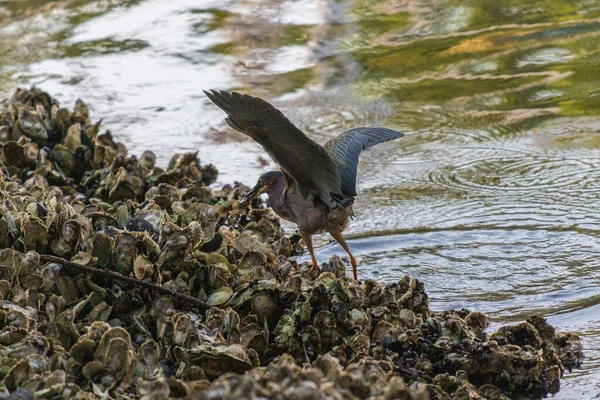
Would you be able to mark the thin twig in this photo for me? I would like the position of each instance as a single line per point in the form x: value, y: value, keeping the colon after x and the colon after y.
x: 115, y: 275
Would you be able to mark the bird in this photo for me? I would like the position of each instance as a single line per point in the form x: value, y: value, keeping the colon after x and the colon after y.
x: 315, y: 187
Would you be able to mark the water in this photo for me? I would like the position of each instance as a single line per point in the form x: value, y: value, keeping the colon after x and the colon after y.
x: 490, y: 198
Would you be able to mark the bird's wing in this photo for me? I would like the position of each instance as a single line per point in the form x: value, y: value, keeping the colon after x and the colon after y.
x: 304, y: 160
x: 345, y: 149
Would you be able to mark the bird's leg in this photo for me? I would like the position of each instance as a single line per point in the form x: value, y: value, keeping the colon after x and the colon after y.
x: 342, y: 241
x: 307, y: 238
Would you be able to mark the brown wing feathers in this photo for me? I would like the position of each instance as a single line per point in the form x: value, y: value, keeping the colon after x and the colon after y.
x: 304, y: 160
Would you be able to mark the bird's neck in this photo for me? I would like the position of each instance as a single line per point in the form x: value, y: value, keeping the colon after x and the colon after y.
x: 277, y: 201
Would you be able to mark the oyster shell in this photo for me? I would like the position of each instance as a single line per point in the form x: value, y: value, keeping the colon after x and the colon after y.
x: 216, y: 359
x: 220, y: 296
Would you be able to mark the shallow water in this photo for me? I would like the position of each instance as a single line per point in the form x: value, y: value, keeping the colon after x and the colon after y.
x: 490, y: 199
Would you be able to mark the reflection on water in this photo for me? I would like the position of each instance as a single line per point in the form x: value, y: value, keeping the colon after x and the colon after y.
x: 493, y: 189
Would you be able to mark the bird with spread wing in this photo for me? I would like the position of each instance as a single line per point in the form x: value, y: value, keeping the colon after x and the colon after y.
x: 316, y: 186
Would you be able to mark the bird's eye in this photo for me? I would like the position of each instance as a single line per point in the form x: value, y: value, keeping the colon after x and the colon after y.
x: 260, y: 182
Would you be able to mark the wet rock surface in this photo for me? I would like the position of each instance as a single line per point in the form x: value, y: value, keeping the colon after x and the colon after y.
x: 213, y: 307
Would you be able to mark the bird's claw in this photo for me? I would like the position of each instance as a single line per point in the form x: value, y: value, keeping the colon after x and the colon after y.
x: 310, y: 270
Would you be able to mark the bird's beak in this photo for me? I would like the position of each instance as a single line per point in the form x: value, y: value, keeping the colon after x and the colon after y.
x: 255, y: 192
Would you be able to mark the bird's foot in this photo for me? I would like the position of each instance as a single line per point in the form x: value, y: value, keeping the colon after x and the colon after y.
x: 354, y: 263
x: 311, y: 270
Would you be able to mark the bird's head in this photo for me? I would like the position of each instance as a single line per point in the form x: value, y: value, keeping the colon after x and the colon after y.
x: 268, y: 182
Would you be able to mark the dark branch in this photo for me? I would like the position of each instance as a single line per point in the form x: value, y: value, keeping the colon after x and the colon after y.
x: 115, y: 275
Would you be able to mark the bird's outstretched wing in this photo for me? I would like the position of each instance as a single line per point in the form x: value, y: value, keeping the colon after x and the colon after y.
x: 345, y: 149
x: 304, y: 160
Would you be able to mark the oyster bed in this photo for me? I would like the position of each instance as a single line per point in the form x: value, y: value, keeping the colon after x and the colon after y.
x: 120, y: 279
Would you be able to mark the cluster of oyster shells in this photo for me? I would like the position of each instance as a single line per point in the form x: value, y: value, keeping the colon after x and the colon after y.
x: 72, y: 198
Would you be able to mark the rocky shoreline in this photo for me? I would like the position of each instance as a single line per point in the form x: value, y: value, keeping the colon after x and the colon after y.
x: 120, y: 279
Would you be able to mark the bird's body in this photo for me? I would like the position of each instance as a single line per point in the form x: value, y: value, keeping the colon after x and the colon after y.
x: 310, y: 214
x: 316, y: 186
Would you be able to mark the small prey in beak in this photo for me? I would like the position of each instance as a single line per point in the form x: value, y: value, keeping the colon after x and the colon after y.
x: 255, y: 192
